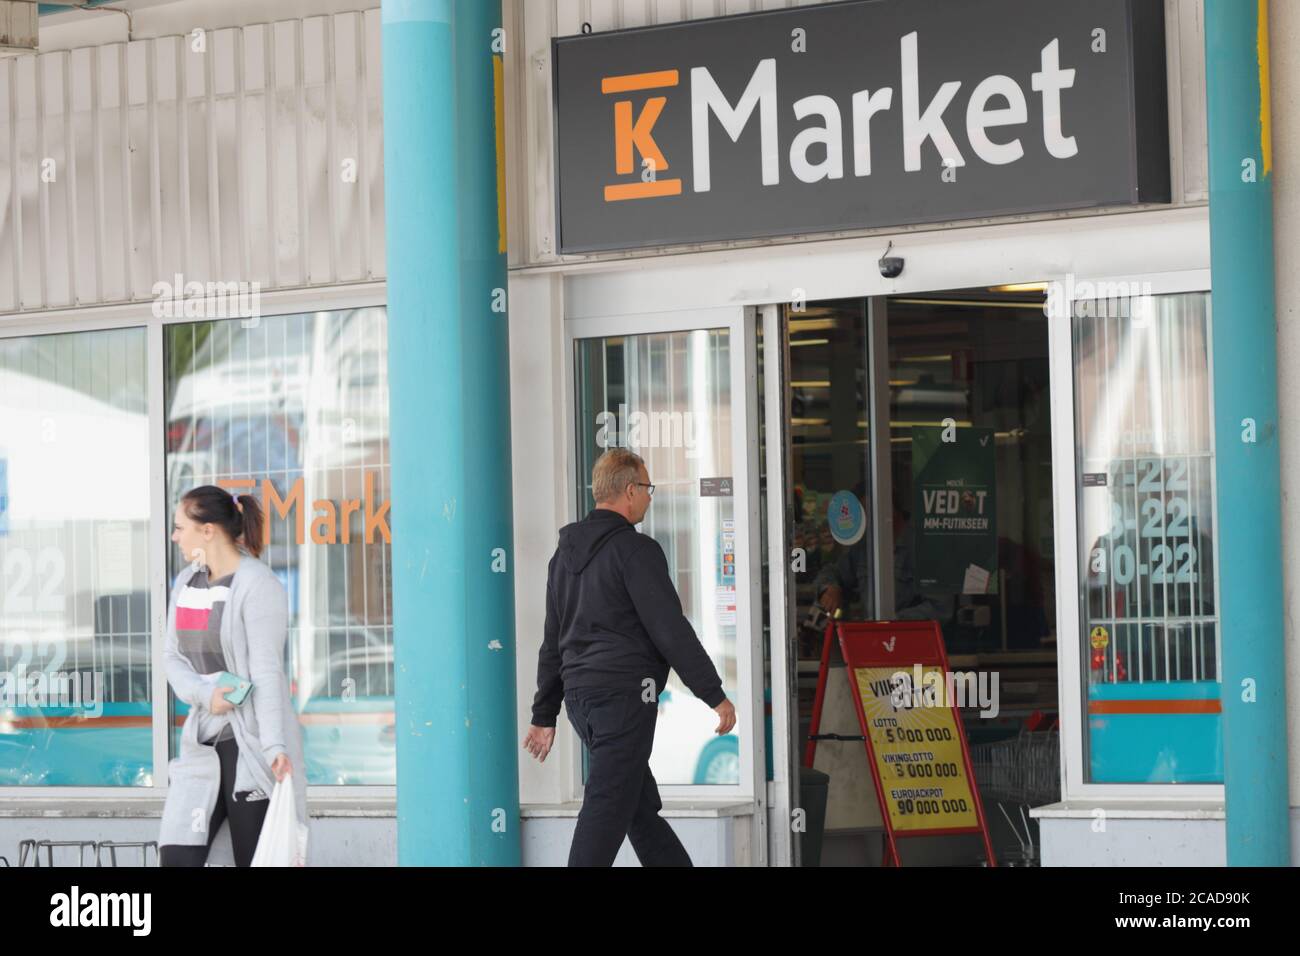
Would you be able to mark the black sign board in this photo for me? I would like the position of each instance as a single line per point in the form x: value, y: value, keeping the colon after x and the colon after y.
x: 858, y: 114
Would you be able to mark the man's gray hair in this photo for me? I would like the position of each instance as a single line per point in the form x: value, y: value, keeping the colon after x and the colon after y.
x: 614, y: 471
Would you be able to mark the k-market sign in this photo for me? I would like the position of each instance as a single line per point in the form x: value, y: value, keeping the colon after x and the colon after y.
x: 858, y: 114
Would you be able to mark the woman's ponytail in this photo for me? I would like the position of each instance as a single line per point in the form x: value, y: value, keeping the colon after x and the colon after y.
x: 251, y: 524
x: 239, y: 515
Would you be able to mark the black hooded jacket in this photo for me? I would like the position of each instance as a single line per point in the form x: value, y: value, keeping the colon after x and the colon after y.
x: 613, y: 618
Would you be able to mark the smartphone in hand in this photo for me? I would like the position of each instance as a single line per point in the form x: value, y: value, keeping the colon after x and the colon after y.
x: 240, y: 687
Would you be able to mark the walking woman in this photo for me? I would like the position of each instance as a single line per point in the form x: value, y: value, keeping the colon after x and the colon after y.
x: 228, y: 614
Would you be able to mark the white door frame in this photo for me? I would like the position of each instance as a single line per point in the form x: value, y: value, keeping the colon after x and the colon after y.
x: 740, y: 324
x: 784, y: 789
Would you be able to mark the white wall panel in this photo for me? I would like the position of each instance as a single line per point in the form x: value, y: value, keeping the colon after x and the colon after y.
x: 252, y: 154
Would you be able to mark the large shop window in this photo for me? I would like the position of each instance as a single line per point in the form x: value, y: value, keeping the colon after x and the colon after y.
x: 667, y: 396
x: 1149, y: 620
x: 75, y: 700
x: 294, y: 410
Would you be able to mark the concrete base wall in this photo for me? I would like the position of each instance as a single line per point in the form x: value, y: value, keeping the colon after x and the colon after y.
x: 711, y: 841
x: 1074, y: 842
x: 372, y: 840
x: 335, y: 841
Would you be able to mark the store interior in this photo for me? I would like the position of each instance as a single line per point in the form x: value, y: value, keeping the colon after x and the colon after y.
x: 966, y: 359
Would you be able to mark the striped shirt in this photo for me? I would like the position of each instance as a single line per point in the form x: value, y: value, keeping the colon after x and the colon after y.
x: 199, y: 608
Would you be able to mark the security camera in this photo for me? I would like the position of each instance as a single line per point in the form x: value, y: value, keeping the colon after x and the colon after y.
x: 891, y: 267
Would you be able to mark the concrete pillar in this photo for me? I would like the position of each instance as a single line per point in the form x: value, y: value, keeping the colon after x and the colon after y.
x: 1246, y: 433
x: 448, y: 361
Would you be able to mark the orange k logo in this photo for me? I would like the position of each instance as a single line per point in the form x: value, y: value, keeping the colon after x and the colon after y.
x: 635, y: 135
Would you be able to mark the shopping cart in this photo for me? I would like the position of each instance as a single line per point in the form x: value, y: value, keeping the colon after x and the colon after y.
x: 1021, y: 772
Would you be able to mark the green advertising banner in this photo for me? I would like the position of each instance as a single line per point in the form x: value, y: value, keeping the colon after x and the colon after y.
x: 954, y: 518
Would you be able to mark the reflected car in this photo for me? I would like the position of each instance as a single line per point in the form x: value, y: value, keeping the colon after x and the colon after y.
x: 62, y: 746
x: 349, y: 730
x: 687, y: 751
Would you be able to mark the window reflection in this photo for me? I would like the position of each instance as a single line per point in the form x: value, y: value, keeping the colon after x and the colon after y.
x: 294, y: 409
x: 1146, y: 537
x: 75, y: 698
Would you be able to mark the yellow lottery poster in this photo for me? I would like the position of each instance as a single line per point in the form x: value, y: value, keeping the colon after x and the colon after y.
x: 906, y: 700
x: 917, y: 748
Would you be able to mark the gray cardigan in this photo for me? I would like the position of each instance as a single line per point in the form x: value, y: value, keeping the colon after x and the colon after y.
x: 254, y: 628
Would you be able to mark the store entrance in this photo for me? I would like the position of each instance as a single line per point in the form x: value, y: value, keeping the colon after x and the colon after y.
x: 879, y: 395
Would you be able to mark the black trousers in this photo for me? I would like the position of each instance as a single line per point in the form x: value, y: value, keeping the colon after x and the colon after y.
x: 245, y: 818
x: 622, y: 797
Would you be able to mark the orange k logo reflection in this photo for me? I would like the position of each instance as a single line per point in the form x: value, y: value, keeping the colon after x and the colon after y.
x: 635, y: 135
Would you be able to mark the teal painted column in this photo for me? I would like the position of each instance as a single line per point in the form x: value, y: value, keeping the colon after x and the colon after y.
x: 1246, y: 433
x: 448, y: 377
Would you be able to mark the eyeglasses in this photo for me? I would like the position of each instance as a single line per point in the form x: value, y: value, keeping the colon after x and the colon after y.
x: 643, y: 484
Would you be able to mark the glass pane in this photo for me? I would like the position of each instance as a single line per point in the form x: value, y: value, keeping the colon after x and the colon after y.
x: 829, y: 494
x: 1145, y: 458
x: 667, y: 397
x: 75, y: 675
x: 970, y: 410
x: 295, y: 407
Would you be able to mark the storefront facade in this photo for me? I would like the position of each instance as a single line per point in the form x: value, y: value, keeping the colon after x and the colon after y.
x: 684, y: 247
x: 193, y: 294
x: 724, y: 310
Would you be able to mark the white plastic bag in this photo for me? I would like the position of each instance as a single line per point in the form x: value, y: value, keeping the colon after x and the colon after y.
x: 283, y: 840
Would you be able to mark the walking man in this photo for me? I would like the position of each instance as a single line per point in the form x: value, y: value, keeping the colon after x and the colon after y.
x: 614, y: 625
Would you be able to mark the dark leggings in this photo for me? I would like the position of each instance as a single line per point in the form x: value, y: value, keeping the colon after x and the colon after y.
x: 245, y: 818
